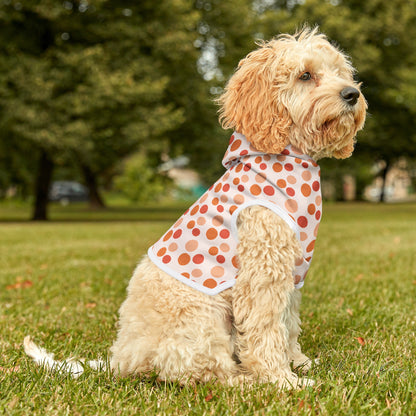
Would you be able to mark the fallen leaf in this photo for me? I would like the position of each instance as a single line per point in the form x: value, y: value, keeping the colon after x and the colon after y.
x: 414, y: 282
x: 350, y: 312
x: 359, y: 277
x: 91, y: 305
x: 20, y: 285
x: 209, y: 397
x: 360, y: 340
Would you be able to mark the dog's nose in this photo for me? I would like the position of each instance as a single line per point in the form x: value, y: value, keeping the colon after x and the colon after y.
x: 350, y: 95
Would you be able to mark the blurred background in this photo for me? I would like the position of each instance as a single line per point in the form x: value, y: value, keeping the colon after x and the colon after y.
x: 112, y: 102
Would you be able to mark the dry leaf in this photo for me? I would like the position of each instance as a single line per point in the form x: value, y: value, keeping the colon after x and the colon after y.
x: 350, y: 312
x: 359, y: 277
x: 91, y: 305
x: 209, y: 397
x: 360, y: 340
x: 414, y: 282
x: 20, y: 285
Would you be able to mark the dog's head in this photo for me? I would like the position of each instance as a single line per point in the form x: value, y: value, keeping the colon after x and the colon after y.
x: 295, y: 90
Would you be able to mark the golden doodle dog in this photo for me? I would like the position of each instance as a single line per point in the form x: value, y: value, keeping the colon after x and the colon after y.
x: 217, y: 297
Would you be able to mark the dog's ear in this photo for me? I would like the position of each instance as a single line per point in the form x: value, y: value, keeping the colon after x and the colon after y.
x: 251, y: 104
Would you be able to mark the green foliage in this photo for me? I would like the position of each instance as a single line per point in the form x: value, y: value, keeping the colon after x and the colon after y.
x: 140, y: 182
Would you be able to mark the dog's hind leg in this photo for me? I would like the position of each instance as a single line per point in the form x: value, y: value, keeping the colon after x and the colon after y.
x: 267, y: 252
x: 293, y: 322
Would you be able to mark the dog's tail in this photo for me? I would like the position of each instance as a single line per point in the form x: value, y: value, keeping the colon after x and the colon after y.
x: 72, y: 366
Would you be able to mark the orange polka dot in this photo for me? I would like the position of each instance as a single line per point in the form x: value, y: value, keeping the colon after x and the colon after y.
x: 161, y: 252
x: 255, y: 190
x: 310, y: 247
x: 201, y: 221
x: 306, y: 189
x: 211, y: 233
x: 291, y: 205
x: 297, y: 279
x: 194, y: 209
x: 213, y: 251
x: 236, y: 181
x: 258, y: 159
x: 306, y: 175
x: 191, y: 224
x: 298, y: 161
x: 168, y: 235
x: 281, y: 183
x: 187, y: 275
x: 210, y: 283
x: 196, y: 272
x: 217, y: 271
x: 259, y: 178
x: 236, y: 144
x: 232, y: 209
x: 234, y: 261
x: 277, y: 167
x: 218, y: 187
x: 311, y: 209
x: 217, y: 220
x: 184, y: 259
x: 239, y: 167
x: 238, y: 199
x: 215, y: 201
x: 191, y: 245
x: 172, y: 247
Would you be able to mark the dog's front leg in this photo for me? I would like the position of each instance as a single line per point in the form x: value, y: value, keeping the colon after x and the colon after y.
x: 267, y: 252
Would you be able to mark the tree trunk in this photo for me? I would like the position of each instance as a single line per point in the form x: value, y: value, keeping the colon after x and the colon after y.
x: 383, y: 185
x: 42, y: 185
x: 90, y: 178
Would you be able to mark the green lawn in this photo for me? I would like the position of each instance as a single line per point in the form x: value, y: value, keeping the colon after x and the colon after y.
x: 62, y: 282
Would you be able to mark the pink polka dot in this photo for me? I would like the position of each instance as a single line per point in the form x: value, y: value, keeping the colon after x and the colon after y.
x: 225, y: 188
x: 191, y: 245
x: 220, y: 208
x: 290, y: 191
x: 303, y: 221
x: 244, y: 178
x: 173, y: 247
x: 166, y: 259
x: 291, y: 205
x: 217, y: 220
x: 263, y: 166
x: 281, y: 158
x: 217, y: 271
x: 204, y: 209
x: 224, y: 247
x: 291, y: 179
x: 243, y: 152
x: 303, y: 236
x: 259, y: 178
x: 238, y: 199
x: 224, y: 234
x: 198, y: 258
x: 318, y: 200
x: 196, y: 273
x: 224, y: 198
x: 268, y: 190
x: 201, y: 221
x: 203, y: 198
x: 178, y: 223
x: 306, y: 175
x: 315, y: 231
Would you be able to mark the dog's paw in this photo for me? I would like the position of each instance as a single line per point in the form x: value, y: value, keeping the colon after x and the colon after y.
x: 304, y: 364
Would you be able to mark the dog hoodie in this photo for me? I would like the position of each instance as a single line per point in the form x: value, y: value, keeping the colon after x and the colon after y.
x: 200, y: 249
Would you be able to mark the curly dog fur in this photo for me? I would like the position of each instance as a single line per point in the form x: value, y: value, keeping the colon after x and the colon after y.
x: 249, y: 332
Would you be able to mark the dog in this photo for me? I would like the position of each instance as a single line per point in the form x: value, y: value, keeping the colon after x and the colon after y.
x: 217, y: 297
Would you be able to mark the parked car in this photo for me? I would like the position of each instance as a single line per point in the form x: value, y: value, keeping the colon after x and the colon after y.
x: 68, y: 191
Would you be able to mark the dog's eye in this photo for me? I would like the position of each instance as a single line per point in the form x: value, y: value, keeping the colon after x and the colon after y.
x: 306, y: 76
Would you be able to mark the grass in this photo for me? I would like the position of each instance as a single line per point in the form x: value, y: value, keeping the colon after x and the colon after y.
x: 62, y: 282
